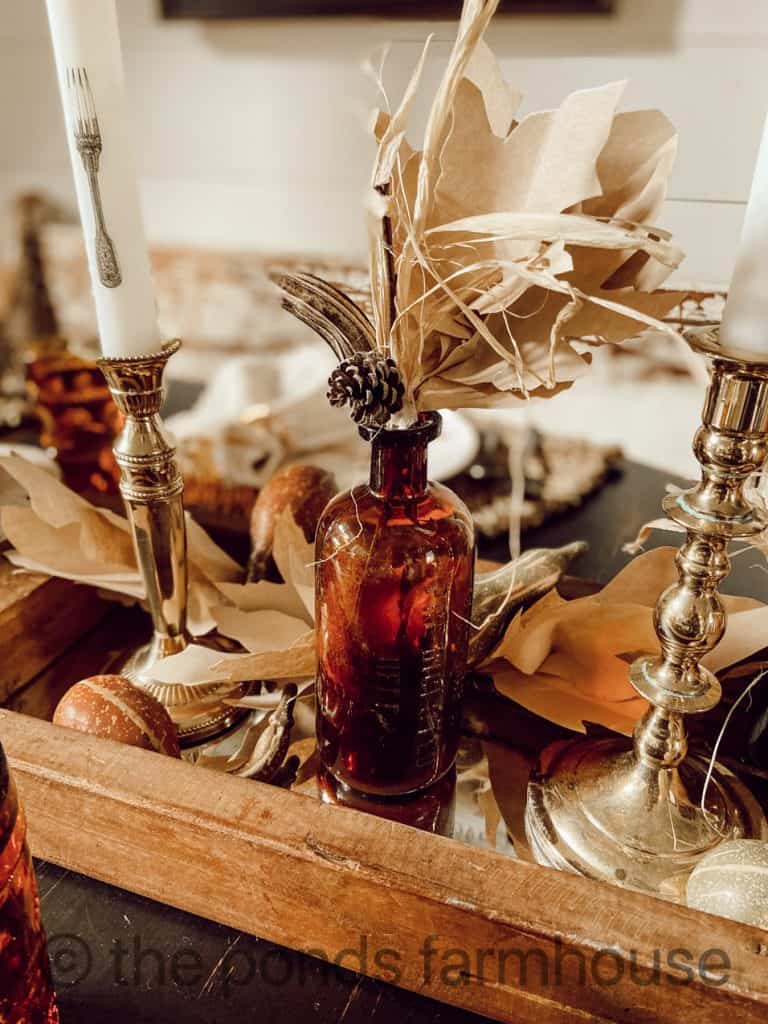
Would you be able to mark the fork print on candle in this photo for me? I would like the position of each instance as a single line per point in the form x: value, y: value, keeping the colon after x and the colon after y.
x: 89, y: 146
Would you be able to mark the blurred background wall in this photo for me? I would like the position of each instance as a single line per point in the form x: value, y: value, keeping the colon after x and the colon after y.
x: 253, y: 134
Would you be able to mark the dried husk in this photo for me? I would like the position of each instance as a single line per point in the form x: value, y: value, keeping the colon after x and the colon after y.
x: 507, y: 242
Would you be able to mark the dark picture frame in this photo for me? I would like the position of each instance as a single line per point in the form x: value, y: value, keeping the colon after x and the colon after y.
x: 370, y: 8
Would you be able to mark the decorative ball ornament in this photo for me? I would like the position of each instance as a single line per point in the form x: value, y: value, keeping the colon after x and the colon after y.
x: 113, y: 708
x: 732, y: 881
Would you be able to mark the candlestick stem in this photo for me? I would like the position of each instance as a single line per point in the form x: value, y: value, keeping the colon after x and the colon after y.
x: 152, y: 488
x: 643, y: 816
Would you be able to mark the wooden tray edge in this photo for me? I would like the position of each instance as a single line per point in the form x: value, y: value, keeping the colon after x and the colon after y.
x: 317, y: 878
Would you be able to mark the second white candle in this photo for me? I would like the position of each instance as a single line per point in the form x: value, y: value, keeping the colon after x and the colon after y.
x: 745, y: 318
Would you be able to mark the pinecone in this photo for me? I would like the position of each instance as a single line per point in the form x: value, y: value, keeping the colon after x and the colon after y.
x: 370, y: 384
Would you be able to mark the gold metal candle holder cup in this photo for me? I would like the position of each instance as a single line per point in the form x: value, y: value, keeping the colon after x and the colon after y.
x: 152, y: 488
x: 643, y: 815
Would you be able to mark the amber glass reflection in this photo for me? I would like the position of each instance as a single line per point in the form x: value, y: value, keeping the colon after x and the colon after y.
x: 393, y: 599
x: 26, y: 995
x: 431, y: 810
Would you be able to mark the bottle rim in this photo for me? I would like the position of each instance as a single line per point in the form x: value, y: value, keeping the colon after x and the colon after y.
x: 427, y: 429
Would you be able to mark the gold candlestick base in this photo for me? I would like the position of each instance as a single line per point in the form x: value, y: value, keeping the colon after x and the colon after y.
x: 634, y: 815
x: 198, y: 711
x: 152, y: 487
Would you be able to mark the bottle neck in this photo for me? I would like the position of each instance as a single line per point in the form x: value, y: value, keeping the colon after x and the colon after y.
x: 399, y: 470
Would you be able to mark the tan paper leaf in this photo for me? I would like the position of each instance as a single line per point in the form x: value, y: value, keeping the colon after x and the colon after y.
x: 517, y: 238
x: 61, y: 534
x: 560, y: 702
x: 259, y: 631
x: 294, y: 662
x: 295, y: 558
x: 263, y: 596
x: 50, y: 499
x: 208, y: 557
x: 568, y: 661
x: 571, y: 229
x: 509, y: 771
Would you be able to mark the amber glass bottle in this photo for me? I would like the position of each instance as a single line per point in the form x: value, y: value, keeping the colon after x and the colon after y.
x: 395, y: 563
x: 26, y: 995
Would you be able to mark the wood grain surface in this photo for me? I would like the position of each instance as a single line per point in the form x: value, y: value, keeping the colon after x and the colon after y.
x: 531, y: 944
x: 40, y: 618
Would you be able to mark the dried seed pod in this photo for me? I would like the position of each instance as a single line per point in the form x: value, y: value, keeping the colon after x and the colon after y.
x: 498, y: 595
x: 370, y: 384
x: 286, y: 776
x: 304, y: 491
x: 266, y: 763
x: 339, y: 321
x: 263, y: 749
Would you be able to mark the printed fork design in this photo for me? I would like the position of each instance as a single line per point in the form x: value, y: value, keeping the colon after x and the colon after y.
x: 89, y: 146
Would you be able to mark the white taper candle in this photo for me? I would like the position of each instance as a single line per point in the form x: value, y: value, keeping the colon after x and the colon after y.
x: 745, y: 318
x: 86, y: 43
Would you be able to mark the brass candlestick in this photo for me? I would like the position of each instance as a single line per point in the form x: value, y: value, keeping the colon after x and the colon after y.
x: 152, y: 487
x: 635, y: 815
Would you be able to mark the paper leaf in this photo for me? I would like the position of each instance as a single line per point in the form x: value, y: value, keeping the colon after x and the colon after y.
x: 745, y: 635
x: 295, y: 557
x: 259, y: 631
x: 189, y: 668
x: 509, y: 771
x: 264, y: 596
x: 501, y: 100
x: 561, y: 703
x: 642, y: 580
x: 570, y: 229
x: 294, y: 662
x: 568, y: 661
x: 208, y: 557
x: 50, y: 499
x: 61, y: 534
x: 518, y: 237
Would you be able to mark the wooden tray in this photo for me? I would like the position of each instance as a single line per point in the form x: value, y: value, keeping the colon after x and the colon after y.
x: 512, y: 940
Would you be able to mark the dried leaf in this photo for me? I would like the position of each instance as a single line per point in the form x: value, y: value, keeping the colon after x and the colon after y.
x: 294, y: 556
x: 509, y: 771
x: 259, y: 631
x: 568, y: 228
x: 568, y: 661
x: 297, y: 661
x: 61, y: 534
x: 512, y: 238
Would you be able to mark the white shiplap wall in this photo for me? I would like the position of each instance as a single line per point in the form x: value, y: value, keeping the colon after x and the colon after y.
x: 252, y: 135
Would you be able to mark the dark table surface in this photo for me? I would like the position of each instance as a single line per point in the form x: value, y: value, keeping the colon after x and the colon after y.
x: 122, y: 958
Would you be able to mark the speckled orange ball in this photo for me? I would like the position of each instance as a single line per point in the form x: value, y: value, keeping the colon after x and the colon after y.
x: 113, y: 708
